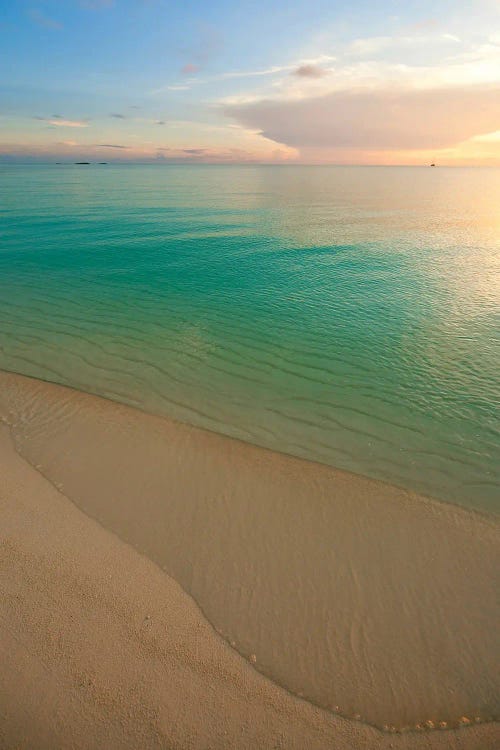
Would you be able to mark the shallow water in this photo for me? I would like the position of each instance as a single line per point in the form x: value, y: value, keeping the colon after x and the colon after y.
x: 346, y: 315
x: 372, y: 602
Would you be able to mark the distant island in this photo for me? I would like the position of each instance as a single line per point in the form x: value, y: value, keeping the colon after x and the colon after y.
x: 82, y: 162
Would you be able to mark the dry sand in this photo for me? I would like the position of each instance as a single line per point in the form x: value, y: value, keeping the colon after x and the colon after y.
x: 100, y: 648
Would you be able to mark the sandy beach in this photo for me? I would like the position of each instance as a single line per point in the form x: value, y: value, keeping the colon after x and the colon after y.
x: 162, y: 586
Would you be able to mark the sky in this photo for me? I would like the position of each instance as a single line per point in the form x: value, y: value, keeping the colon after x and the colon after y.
x: 251, y: 81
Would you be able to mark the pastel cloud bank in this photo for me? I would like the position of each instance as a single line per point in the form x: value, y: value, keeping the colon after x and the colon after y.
x: 374, y: 120
x: 401, y: 99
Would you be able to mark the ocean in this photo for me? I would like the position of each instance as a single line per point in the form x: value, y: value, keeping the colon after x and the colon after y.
x: 347, y: 315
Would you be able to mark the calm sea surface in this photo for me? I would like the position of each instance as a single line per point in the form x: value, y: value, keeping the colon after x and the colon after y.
x: 347, y: 315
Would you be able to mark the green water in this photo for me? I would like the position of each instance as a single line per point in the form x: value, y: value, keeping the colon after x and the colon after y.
x: 347, y: 315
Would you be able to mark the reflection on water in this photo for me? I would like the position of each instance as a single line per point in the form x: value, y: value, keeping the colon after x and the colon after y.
x: 341, y: 314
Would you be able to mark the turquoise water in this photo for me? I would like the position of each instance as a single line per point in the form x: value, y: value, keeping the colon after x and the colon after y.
x: 348, y: 315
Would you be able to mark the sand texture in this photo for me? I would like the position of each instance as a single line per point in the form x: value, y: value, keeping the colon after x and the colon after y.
x: 102, y: 648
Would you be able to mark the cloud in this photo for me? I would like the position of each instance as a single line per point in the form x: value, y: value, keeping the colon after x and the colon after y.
x: 414, y: 46
x: 118, y: 116
x: 489, y: 137
x: 189, y: 69
x: 223, y: 76
x: 150, y: 154
x: 253, y: 73
x: 309, y: 71
x: 207, y: 45
x: 68, y: 123
x: 222, y: 155
x: 301, y: 67
x: 261, y: 73
x: 110, y: 145
x: 60, y: 122
x: 374, y: 119
x: 44, y: 21
x: 159, y: 122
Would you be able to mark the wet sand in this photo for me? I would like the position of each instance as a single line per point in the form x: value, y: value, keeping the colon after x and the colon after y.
x: 288, y: 557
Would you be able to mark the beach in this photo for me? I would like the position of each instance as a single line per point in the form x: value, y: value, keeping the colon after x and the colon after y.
x: 106, y: 510
x: 249, y: 375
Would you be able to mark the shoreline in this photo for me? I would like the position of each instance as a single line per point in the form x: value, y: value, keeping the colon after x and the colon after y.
x: 56, y: 429
x: 489, y: 515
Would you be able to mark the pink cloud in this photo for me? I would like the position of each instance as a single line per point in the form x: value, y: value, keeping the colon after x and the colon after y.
x: 374, y: 119
x: 309, y: 71
x: 189, y: 69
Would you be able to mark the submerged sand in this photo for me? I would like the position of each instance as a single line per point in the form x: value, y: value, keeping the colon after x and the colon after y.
x: 344, y: 589
x: 100, y: 649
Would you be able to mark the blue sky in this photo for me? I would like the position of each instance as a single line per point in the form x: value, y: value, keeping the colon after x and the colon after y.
x: 225, y: 81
